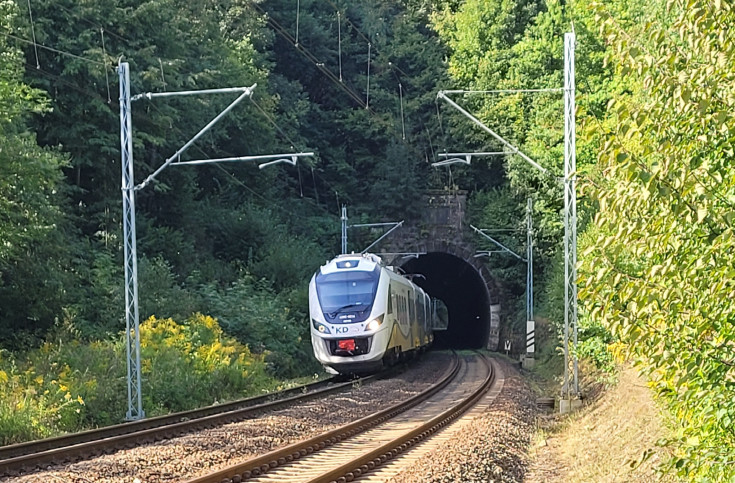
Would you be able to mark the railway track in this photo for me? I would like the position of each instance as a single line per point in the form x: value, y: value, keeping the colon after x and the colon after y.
x: 25, y: 457
x: 346, y: 453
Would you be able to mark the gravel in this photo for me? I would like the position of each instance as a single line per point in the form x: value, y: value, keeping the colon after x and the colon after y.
x: 493, y: 448
x: 205, y: 451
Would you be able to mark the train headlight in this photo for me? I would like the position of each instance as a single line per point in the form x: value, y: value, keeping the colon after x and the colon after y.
x: 321, y: 328
x: 374, y: 324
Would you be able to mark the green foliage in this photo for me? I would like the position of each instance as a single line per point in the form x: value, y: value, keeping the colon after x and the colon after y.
x: 501, y: 210
x: 549, y: 292
x: 35, y: 404
x: 210, y: 223
x: 234, y: 241
x: 659, y: 272
x: 194, y: 364
x: 94, y: 372
x: 17, y: 100
x: 595, y: 342
x: 67, y: 386
x: 32, y: 228
x: 371, y: 156
x: 519, y: 45
x: 159, y: 291
x: 101, y: 281
x: 269, y: 323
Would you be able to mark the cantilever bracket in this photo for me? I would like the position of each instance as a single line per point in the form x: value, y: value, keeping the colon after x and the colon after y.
x: 445, y: 162
x: 291, y: 161
x: 465, y: 158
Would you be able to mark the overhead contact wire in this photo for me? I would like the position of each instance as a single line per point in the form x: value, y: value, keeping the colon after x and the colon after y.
x: 367, y: 93
x: 67, y: 83
x: 220, y: 167
x: 94, y: 24
x: 30, y: 42
x: 298, y: 11
x: 33, y: 32
x: 403, y: 124
x: 274, y: 123
x: 104, y: 59
x: 320, y: 65
x: 339, y: 43
x: 241, y: 183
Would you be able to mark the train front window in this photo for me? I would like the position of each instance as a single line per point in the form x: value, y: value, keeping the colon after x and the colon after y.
x: 346, y: 292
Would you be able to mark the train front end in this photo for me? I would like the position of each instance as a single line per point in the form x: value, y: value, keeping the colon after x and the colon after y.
x: 347, y: 305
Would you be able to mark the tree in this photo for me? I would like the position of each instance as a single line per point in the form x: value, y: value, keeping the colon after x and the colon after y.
x: 659, y: 272
x: 32, y: 275
x: 370, y: 144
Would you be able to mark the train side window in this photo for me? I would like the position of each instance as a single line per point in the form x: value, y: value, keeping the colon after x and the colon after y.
x: 410, y: 309
x: 421, y: 307
x: 390, y: 301
x: 427, y: 309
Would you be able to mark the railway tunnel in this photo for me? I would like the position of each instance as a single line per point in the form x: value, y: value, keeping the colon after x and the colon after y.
x: 464, y: 291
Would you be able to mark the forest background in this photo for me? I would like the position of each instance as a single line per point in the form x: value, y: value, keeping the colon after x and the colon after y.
x: 225, y: 251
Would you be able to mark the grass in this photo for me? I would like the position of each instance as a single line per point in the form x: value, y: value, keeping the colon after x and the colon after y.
x: 611, y: 439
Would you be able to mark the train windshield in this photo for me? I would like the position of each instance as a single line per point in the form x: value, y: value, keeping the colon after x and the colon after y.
x: 347, y: 292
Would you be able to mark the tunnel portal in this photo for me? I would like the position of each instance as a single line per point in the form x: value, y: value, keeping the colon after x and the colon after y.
x: 464, y: 291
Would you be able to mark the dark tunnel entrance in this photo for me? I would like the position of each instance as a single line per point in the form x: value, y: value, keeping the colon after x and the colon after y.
x: 461, y: 287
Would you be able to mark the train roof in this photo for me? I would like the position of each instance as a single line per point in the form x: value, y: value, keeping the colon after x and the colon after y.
x: 355, y: 261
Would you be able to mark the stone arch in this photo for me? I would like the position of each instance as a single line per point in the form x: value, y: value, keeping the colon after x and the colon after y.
x: 453, y: 274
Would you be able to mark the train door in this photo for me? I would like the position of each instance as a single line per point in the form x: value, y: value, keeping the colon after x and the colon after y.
x: 421, y: 318
x: 410, y: 299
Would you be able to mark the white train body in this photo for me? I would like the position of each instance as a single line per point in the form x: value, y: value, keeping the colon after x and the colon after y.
x: 365, y: 316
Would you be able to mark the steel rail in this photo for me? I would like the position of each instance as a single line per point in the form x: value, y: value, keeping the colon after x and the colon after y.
x: 36, y: 446
x: 367, y: 462
x: 262, y: 464
x: 25, y: 457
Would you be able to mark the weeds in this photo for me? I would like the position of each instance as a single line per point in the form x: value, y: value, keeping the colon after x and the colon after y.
x: 67, y: 386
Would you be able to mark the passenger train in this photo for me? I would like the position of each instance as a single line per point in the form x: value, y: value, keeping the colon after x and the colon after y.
x: 365, y: 316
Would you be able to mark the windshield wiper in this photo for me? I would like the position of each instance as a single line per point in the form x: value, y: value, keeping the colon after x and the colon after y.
x: 334, y: 314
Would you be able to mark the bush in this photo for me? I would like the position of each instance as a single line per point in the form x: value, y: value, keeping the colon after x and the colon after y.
x: 95, y: 372
x: 67, y: 386
x: 34, y: 406
x: 270, y: 324
x: 597, y: 345
x: 192, y: 364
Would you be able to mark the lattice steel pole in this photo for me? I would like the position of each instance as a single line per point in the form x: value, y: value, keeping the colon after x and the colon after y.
x: 344, y: 229
x: 571, y: 384
x: 571, y: 387
x: 132, y: 329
